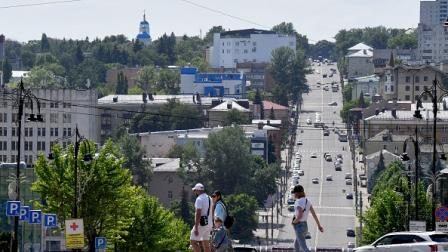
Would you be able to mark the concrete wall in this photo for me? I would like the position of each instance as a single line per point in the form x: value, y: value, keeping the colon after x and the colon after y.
x: 359, y: 66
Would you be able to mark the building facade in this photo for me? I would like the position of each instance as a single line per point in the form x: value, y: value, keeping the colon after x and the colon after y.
x: 251, y: 45
x: 406, y: 83
x: 432, y: 35
x: 212, y: 84
x: 368, y: 85
x: 144, y: 35
x: 62, y: 110
x: 360, y: 64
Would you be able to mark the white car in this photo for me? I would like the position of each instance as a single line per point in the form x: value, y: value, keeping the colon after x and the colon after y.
x: 348, y: 182
x: 308, y: 121
x: 333, y: 104
x: 329, y: 178
x: 313, y: 155
x: 299, y: 142
x: 301, y: 173
x: 315, y: 180
x: 408, y: 241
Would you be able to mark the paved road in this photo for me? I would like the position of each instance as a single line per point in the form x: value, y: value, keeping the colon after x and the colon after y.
x: 334, y: 210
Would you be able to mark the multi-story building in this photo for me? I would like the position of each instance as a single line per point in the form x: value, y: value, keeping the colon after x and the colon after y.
x: 62, y: 110
x: 432, y: 35
x: 382, y: 57
x: 359, y: 61
x: 251, y: 45
x: 406, y: 83
x: 368, y: 85
x: 212, y: 84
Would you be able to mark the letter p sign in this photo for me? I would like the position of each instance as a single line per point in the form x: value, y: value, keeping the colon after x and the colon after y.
x: 100, y: 242
x: 50, y: 220
x: 13, y: 208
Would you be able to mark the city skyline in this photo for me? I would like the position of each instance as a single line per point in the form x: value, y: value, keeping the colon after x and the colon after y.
x: 320, y: 19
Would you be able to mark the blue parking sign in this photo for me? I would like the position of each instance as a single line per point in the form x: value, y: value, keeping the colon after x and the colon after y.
x: 50, y: 220
x: 13, y: 208
x: 100, y: 243
x: 25, y: 213
x: 35, y: 217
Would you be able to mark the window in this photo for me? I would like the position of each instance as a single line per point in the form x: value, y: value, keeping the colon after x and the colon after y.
x: 408, y: 88
x: 392, y: 88
x: 170, y: 195
x: 28, y: 145
x: 67, y: 118
x: 67, y: 105
x: 43, y: 105
x: 3, y: 117
x: 237, y: 43
x: 3, y: 159
x: 246, y: 51
x: 407, y: 98
x: 14, y: 117
x: 425, y: 78
x: 28, y: 132
x: 41, y: 131
x: 254, y: 49
x: 228, y: 51
x: 13, y: 158
x: 14, y: 145
x: 41, y: 146
x: 3, y: 146
x: 417, y: 79
x: 53, y: 118
x: 391, y: 78
x: 254, y: 43
x: 13, y: 131
x: 54, y: 105
x: 408, y: 79
x: 3, y: 131
x: 417, y: 88
x: 67, y: 132
x: 54, y: 132
x: 385, y: 88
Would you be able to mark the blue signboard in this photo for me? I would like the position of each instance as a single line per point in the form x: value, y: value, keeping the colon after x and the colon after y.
x: 50, y: 220
x: 13, y: 208
x: 100, y: 243
x: 25, y: 213
x: 35, y: 217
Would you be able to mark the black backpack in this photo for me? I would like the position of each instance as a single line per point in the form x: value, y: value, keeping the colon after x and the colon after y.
x: 228, y: 222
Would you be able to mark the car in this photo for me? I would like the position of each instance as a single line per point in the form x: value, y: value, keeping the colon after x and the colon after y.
x: 331, y: 75
x: 326, y: 88
x: 301, y: 173
x: 337, y: 165
x: 333, y: 103
x: 291, y: 201
x: 348, y: 176
x: 408, y: 241
x: 339, y: 156
x: 328, y: 158
x: 291, y: 208
x: 329, y: 178
x: 324, y: 75
x: 348, y: 182
x: 351, y: 245
x: 315, y: 180
x: 349, y: 196
x: 326, y: 133
x: 308, y: 121
x: 339, y: 160
x: 307, y: 235
x: 299, y: 142
x: 363, y: 183
x: 338, y: 168
x: 351, y: 232
x: 313, y: 155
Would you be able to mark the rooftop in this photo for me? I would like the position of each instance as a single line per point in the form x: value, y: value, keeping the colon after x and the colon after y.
x: 269, y: 105
x: 361, y: 54
x: 158, y: 100
x: 406, y: 115
x: 245, y: 33
x: 167, y: 164
x: 369, y: 78
x: 229, y: 105
x: 360, y: 46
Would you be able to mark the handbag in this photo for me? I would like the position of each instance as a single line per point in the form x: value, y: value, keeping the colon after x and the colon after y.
x: 228, y: 222
x: 204, y: 219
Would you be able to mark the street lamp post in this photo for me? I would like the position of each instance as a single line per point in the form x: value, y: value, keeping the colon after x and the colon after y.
x: 21, y: 96
x: 435, y: 99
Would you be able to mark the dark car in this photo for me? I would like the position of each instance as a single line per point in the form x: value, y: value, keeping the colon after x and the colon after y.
x: 351, y: 233
x: 349, y: 196
x: 291, y: 201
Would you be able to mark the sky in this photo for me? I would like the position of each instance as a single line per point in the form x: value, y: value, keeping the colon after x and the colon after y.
x: 317, y: 19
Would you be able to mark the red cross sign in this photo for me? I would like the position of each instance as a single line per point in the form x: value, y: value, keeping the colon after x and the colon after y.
x: 73, y: 226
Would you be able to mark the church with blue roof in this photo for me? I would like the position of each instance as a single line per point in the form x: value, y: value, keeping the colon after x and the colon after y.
x: 144, y: 35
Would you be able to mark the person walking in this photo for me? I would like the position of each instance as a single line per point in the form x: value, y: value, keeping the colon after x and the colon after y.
x: 200, y: 233
x: 220, y: 238
x: 302, y: 208
x: 219, y: 208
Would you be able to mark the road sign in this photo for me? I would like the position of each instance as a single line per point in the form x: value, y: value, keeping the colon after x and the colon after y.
x: 35, y: 217
x: 25, y: 213
x: 442, y: 226
x: 442, y: 213
x: 100, y: 242
x: 417, y: 226
x: 74, y: 234
x: 13, y: 208
x: 50, y: 220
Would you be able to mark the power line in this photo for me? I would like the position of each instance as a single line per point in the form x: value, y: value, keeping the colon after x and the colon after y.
x: 225, y: 14
x: 37, y: 4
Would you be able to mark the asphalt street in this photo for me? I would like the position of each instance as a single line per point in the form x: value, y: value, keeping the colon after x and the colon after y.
x: 335, y: 212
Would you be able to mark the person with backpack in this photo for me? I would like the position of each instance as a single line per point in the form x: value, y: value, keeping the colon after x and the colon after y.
x: 200, y: 234
x: 302, y: 208
x: 220, y: 238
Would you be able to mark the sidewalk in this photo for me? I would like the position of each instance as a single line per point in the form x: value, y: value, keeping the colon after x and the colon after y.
x: 269, y: 225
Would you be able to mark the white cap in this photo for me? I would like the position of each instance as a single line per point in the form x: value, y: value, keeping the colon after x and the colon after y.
x: 198, y: 186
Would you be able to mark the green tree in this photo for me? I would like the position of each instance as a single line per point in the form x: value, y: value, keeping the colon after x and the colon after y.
x: 403, y: 41
x: 227, y: 160
x: 323, y: 48
x: 41, y: 77
x: 262, y: 180
x: 243, y: 207
x: 122, y: 84
x: 259, y: 101
x: 134, y: 154
x: 236, y: 117
x: 168, y: 81
x: 209, y: 35
x: 347, y: 92
x: 184, y: 209
x: 288, y: 29
x: 44, y: 43
x: 155, y: 229
x: 135, y: 90
x: 346, y: 108
x: 146, y: 78
x: 101, y: 182
x: 7, y: 71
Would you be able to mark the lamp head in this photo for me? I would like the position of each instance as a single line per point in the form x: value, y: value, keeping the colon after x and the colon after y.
x: 405, y: 157
x: 87, y: 158
x: 32, y: 118
x: 417, y: 114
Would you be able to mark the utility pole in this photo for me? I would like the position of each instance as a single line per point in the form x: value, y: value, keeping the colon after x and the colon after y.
x: 272, y: 223
x: 360, y: 215
x: 417, y: 164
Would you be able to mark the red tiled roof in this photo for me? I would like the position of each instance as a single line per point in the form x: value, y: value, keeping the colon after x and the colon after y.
x: 268, y: 105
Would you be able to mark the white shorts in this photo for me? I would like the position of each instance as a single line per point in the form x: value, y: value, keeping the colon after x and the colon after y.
x: 204, y: 233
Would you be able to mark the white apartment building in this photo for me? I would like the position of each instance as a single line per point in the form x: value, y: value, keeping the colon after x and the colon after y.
x: 251, y: 45
x: 432, y: 35
x: 62, y: 110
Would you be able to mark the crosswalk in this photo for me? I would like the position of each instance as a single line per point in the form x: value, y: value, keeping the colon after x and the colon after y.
x: 333, y: 150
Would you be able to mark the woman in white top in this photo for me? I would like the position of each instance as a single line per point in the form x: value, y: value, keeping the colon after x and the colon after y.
x: 302, y: 208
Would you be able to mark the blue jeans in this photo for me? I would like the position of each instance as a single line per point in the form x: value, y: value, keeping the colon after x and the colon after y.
x: 301, y: 229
